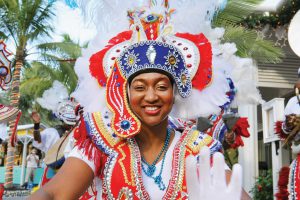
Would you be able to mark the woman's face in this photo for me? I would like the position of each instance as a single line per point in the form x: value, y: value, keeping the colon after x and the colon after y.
x: 151, y: 97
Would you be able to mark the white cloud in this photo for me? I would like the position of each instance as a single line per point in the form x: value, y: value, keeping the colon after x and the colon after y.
x: 70, y: 21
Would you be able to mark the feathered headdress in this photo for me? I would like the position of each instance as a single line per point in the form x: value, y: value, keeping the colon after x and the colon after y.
x: 154, y: 40
x: 56, y: 99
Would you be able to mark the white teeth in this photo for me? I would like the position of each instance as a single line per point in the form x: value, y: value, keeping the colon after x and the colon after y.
x: 151, y: 108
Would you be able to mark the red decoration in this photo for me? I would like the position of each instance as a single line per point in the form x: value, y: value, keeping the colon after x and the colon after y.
x: 204, y: 73
x: 283, y: 181
x: 87, y: 145
x: 279, y: 131
x: 1, y: 191
x: 96, y: 60
x: 117, y: 103
x: 241, y: 130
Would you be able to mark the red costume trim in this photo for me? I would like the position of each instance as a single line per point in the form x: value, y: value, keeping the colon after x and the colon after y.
x: 120, y: 167
x: 96, y: 60
x: 203, y: 75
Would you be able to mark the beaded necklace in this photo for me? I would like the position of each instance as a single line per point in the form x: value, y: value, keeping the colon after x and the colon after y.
x: 151, y: 167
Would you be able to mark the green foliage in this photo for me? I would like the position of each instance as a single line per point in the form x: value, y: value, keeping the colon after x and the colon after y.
x: 235, y: 12
x: 25, y: 21
x: 263, y: 188
x: 278, y: 18
x: 249, y: 43
x: 57, y: 63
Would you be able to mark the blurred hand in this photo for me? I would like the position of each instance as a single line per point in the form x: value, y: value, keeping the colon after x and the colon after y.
x: 211, y: 183
x: 35, y: 116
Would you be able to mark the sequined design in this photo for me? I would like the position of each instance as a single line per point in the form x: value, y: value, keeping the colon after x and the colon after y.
x: 112, y: 155
x: 169, y: 59
x: 136, y: 164
x: 110, y: 137
x: 186, y: 48
x: 294, y: 179
x: 172, y: 60
x: 199, y: 140
x: 177, y: 183
x: 124, y: 123
x: 122, y: 173
x: 125, y: 193
x: 219, y: 128
x: 131, y: 59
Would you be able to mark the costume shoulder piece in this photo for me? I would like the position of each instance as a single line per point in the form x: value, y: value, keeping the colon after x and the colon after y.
x: 198, y: 139
x: 96, y: 127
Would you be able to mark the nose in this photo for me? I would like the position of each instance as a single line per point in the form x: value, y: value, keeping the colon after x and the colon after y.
x: 151, y: 95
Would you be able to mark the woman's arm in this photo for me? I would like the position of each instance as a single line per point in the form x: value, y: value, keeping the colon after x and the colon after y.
x: 71, y: 181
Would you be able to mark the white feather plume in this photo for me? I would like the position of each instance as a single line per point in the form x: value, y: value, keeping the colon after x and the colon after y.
x: 191, y: 16
x: 53, y: 96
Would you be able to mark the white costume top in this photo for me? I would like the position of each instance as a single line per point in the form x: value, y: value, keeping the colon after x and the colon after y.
x: 154, y: 192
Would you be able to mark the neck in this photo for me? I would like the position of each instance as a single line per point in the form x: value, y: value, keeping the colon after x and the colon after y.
x: 152, y: 135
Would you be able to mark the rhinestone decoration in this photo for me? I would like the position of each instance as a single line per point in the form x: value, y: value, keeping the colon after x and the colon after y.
x: 172, y: 59
x: 151, y: 54
x: 131, y: 59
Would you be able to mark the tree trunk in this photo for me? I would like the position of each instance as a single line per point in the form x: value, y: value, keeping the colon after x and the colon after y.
x: 14, y: 101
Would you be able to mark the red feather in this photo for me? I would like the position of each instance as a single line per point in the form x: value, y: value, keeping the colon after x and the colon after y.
x: 203, y: 75
x: 241, y: 130
x: 86, y: 144
x: 283, y: 181
x: 279, y: 131
x: 96, y: 60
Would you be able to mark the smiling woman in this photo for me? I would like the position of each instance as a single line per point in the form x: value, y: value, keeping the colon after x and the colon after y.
x: 128, y: 149
x: 151, y: 97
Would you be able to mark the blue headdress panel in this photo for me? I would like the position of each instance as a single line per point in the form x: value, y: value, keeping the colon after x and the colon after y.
x: 157, y: 55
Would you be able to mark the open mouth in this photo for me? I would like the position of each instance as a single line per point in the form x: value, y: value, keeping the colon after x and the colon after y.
x: 152, y: 110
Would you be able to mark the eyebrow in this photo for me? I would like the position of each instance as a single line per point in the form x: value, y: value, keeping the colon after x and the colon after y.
x: 143, y: 80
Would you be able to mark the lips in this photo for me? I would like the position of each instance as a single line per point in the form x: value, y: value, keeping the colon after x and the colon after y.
x: 152, y: 110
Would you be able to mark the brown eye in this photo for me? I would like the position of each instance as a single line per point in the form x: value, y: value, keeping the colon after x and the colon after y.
x: 139, y: 87
x: 162, y: 87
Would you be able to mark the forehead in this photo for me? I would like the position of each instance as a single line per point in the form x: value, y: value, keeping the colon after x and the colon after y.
x: 150, y: 77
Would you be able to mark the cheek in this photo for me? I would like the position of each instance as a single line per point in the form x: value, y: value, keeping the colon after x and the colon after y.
x: 134, y: 101
x: 169, y: 99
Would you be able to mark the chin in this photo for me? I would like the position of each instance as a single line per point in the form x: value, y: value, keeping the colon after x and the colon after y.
x: 153, y: 122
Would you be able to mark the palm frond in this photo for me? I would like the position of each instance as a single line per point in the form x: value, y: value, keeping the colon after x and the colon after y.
x: 249, y: 44
x: 235, y: 12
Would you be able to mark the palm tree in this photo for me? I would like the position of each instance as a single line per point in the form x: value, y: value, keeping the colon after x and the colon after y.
x: 22, y: 22
x: 57, y: 63
x: 249, y: 43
